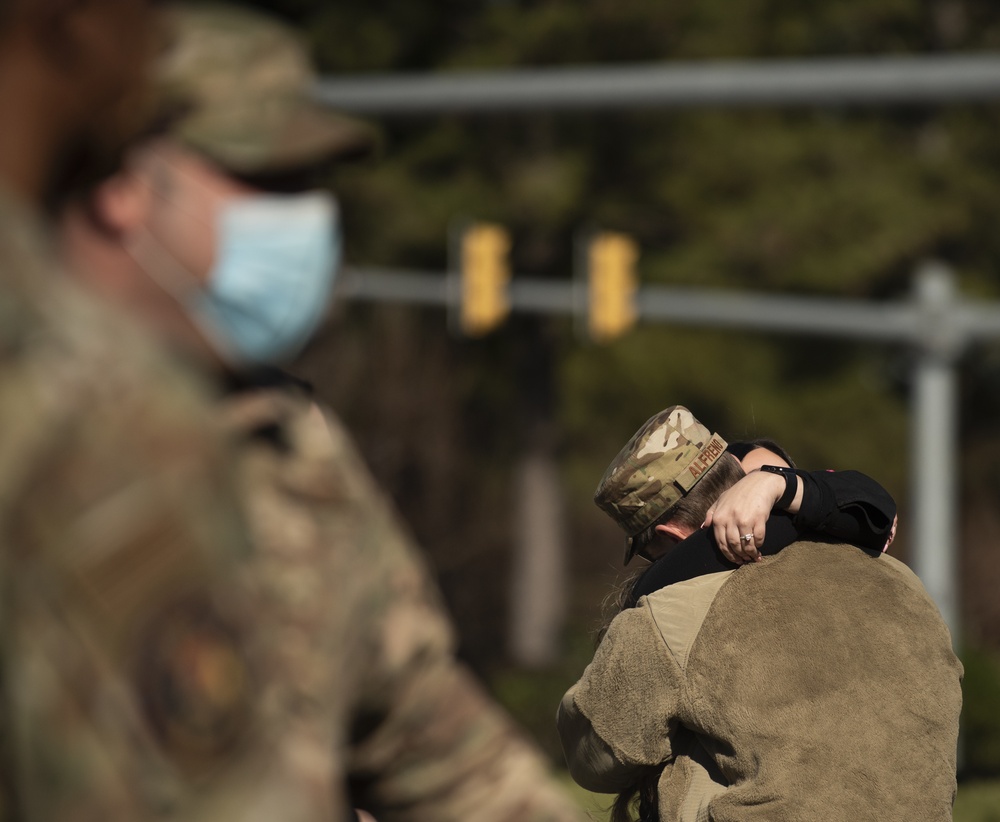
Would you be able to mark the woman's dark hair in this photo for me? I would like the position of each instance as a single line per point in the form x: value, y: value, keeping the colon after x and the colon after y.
x: 640, y: 802
x: 743, y: 447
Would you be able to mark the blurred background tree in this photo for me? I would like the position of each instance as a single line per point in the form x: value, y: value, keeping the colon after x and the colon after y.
x: 826, y: 202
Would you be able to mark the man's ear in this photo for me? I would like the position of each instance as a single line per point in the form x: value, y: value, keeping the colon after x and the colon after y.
x: 120, y: 204
x: 671, y: 531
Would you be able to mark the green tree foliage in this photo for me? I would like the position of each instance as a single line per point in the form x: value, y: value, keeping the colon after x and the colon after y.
x: 836, y: 202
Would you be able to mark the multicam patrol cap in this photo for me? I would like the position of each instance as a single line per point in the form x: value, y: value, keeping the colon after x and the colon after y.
x: 238, y: 83
x: 660, y: 464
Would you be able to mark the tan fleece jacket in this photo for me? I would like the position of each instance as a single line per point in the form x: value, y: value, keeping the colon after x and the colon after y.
x: 819, y: 684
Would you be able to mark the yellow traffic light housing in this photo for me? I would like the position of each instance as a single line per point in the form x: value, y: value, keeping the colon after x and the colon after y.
x: 612, y: 285
x: 485, y: 278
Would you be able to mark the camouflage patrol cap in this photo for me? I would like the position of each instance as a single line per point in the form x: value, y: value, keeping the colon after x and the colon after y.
x: 660, y: 464
x: 238, y: 84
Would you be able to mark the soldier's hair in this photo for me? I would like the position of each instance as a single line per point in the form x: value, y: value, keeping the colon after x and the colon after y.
x: 690, y: 510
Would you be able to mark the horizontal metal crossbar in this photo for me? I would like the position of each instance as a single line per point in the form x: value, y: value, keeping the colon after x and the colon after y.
x: 932, y: 79
x: 904, y: 321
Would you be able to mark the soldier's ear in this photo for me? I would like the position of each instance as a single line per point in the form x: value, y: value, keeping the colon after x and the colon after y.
x: 672, y: 531
x: 121, y: 204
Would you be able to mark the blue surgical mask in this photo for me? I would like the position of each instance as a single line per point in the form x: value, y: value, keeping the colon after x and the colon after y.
x: 276, y: 260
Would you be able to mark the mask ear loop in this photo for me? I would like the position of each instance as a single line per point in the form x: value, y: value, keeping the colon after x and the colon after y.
x: 169, y: 273
x: 178, y: 283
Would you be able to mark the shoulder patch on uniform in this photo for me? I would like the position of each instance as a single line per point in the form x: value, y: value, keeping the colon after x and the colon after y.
x: 194, y: 682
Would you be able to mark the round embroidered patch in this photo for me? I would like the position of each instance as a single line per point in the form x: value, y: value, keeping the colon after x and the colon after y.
x: 194, y: 681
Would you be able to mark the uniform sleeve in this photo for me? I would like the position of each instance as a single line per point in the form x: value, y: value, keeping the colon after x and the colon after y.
x: 427, y: 743
x: 446, y: 752
x: 617, y: 721
x: 591, y: 761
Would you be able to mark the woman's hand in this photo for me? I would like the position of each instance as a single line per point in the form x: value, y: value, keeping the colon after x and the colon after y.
x: 742, y: 511
x: 892, y: 534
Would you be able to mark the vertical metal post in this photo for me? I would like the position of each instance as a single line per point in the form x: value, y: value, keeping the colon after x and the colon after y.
x: 539, y: 575
x: 934, y: 443
x: 539, y: 568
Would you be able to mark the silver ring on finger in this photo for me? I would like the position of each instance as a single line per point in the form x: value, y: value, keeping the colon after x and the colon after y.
x: 747, y: 538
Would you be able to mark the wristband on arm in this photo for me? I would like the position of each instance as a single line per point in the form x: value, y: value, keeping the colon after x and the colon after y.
x: 791, y: 484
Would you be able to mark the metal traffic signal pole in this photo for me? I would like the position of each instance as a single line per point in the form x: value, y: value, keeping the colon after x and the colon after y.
x: 936, y: 322
x: 934, y: 442
x: 871, y: 81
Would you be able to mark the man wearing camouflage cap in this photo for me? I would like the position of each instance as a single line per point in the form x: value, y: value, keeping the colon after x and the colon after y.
x: 815, y: 684
x: 210, y: 237
x: 121, y: 657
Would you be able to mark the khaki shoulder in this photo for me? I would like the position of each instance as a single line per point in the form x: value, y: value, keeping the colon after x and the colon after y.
x: 679, y: 611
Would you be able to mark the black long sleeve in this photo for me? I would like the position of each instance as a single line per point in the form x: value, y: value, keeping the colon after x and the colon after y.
x: 846, y: 506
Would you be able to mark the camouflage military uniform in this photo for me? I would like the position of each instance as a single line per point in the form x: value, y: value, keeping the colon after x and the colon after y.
x: 352, y: 612
x: 127, y: 690
x: 347, y: 666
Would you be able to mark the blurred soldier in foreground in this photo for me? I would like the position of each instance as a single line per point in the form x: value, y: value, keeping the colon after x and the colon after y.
x: 210, y: 234
x: 816, y: 684
x: 125, y: 684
